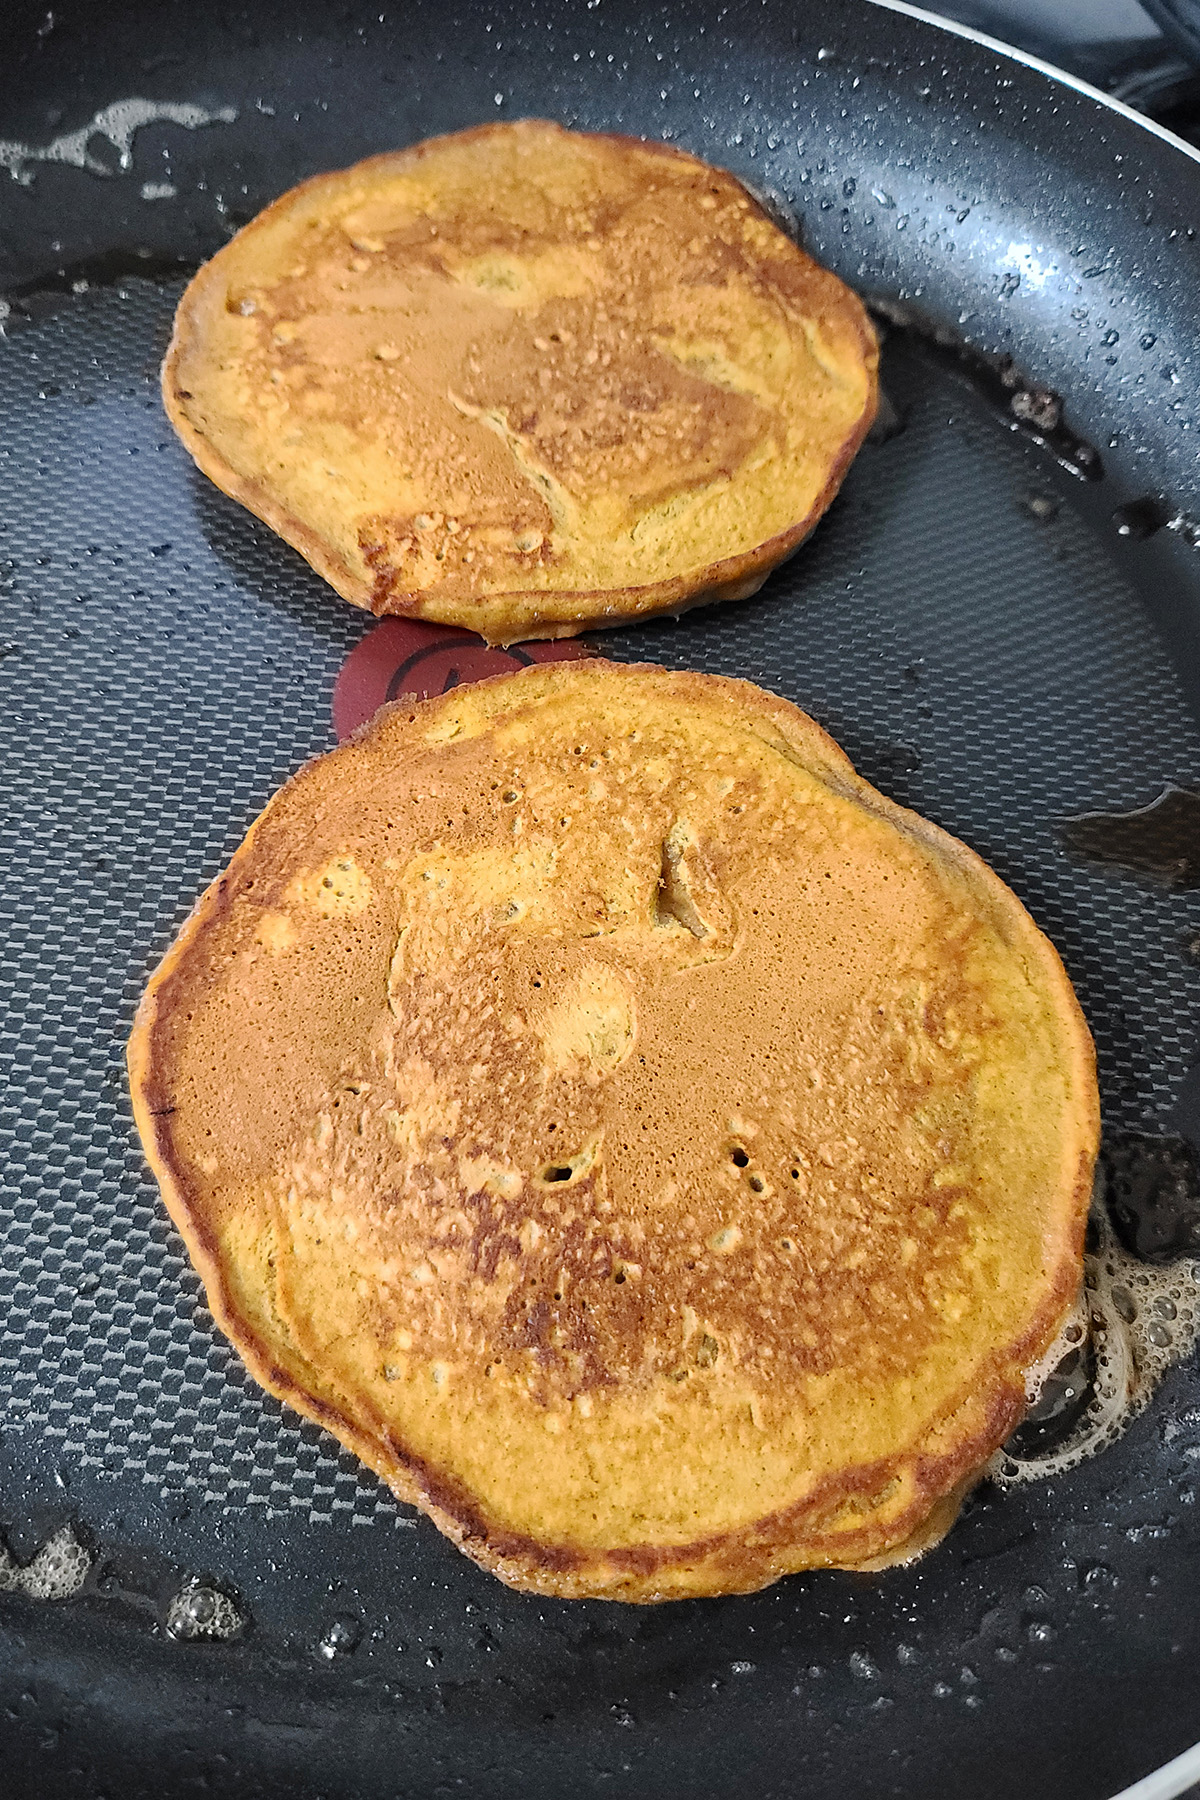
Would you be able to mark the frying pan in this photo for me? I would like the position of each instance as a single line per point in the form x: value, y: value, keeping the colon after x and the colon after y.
x: 999, y: 619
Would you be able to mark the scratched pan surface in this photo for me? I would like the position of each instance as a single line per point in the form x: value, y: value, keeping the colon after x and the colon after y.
x: 967, y: 622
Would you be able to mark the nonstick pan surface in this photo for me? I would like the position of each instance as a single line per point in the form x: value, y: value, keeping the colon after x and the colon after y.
x: 969, y: 622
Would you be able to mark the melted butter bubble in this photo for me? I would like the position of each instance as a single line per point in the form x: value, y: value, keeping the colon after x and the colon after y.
x: 58, y: 1571
x: 1133, y: 1321
x: 203, y: 1612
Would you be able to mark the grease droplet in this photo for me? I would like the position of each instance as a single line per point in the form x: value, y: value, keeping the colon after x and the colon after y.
x: 204, y: 1612
x: 342, y: 1637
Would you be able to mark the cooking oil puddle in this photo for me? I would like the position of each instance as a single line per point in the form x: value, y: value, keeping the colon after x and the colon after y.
x: 32, y: 301
x: 1141, y: 518
x: 1138, y: 1312
x: 888, y: 423
x: 115, y: 125
x: 1162, y: 839
x: 1023, y: 404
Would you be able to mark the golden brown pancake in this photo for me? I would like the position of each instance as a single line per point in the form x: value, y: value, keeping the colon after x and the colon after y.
x: 522, y: 379
x: 654, y: 1152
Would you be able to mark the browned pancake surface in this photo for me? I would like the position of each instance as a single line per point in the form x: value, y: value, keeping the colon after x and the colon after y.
x: 520, y: 379
x: 655, y: 1153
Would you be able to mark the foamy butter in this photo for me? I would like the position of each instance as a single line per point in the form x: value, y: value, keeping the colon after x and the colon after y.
x: 57, y: 1572
x: 203, y: 1612
x: 118, y: 124
x: 1137, y: 1320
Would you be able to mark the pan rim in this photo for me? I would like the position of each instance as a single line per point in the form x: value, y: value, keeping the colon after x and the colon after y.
x: 1178, y: 1773
x: 1063, y: 76
x: 1166, y: 1782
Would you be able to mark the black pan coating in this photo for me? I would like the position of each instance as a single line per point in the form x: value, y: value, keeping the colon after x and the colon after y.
x: 968, y: 622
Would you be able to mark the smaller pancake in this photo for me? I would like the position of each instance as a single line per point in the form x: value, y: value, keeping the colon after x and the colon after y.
x: 654, y: 1152
x: 522, y: 379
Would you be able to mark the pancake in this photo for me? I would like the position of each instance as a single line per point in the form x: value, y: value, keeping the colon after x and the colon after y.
x: 521, y: 379
x: 655, y: 1153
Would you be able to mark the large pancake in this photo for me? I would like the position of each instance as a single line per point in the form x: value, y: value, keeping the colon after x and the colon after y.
x: 653, y: 1151
x: 520, y: 379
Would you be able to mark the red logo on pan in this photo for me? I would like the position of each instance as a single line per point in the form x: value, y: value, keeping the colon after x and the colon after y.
x: 406, y: 658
